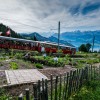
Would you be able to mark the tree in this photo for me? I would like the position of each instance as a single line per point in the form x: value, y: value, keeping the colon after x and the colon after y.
x: 83, y: 48
x: 4, y: 29
x: 88, y: 46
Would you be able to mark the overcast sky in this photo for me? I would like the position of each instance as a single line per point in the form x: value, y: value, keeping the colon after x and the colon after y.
x: 43, y: 15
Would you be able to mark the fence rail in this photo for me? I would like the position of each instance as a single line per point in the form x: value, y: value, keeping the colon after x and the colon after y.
x: 61, y: 87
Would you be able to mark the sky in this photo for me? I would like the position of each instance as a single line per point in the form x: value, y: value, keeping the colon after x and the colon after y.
x: 43, y: 15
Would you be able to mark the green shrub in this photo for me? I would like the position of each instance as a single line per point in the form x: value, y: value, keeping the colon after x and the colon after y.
x: 13, y: 65
x: 91, y: 91
x: 19, y: 55
x: 34, y: 53
x: 4, y: 95
x: 40, y: 66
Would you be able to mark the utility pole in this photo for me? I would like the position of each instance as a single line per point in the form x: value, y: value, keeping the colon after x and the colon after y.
x: 58, y: 34
x: 93, y: 43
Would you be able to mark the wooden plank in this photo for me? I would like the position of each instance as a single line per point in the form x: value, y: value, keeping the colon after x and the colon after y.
x: 23, y: 76
x: 7, y: 77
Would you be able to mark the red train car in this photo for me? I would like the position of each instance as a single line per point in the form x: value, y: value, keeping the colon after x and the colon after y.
x: 23, y: 44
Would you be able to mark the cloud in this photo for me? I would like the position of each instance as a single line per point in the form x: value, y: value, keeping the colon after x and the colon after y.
x: 43, y: 15
x: 90, y: 8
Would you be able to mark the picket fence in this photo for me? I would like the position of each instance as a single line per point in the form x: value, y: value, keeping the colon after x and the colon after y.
x: 62, y: 87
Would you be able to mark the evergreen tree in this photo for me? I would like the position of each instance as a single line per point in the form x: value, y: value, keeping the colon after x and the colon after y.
x: 85, y: 47
x: 88, y: 46
x: 4, y: 29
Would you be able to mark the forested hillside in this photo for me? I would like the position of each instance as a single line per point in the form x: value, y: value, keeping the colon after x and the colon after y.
x: 12, y: 33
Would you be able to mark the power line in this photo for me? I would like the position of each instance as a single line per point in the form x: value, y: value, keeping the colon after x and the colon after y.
x: 23, y: 24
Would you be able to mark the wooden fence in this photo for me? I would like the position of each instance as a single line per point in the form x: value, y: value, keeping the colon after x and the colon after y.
x: 62, y: 86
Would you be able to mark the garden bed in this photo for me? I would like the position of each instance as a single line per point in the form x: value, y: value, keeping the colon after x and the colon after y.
x: 48, y: 71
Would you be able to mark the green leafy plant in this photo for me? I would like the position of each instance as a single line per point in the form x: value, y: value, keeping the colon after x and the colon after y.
x: 13, y: 65
x: 90, y: 91
x: 40, y: 66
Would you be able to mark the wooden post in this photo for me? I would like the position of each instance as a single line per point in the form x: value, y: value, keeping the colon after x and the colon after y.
x: 66, y: 87
x: 51, y: 87
x: 27, y: 94
x: 43, y: 91
x: 60, y: 87
x: 20, y: 97
x: 39, y: 91
x: 77, y: 79
x: 99, y: 72
x: 35, y: 91
x: 56, y: 83
x: 70, y: 84
x: 63, y: 95
x: 91, y: 73
x: 74, y: 81
x: 46, y: 90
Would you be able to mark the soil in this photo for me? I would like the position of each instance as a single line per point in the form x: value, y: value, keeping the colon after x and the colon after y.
x: 48, y: 71
x: 3, y: 80
x: 97, y: 64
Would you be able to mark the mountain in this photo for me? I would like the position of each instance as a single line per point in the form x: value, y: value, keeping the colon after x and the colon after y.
x: 54, y: 39
x: 77, y: 38
x: 41, y: 38
x: 4, y: 29
x: 46, y: 34
x: 31, y: 36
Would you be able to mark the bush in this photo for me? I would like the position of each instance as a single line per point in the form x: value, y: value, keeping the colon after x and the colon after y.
x: 56, y: 63
x: 13, y: 65
x: 19, y: 55
x: 40, y: 66
x: 34, y: 53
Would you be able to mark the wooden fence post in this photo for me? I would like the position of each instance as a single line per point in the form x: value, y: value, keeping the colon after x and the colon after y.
x: 56, y: 92
x: 99, y: 72
x: 81, y: 78
x: 91, y: 72
x: 86, y: 74
x: 64, y: 82
x: 35, y: 87
x: 20, y: 97
x: 43, y: 91
x: 46, y: 90
x: 77, y: 79
x: 27, y: 94
x: 66, y: 87
x: 70, y: 83
x: 51, y: 79
x: 39, y: 90
x: 60, y: 87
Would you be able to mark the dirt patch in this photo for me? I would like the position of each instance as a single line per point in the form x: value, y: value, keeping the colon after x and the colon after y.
x: 3, y: 80
x: 97, y: 64
x: 47, y: 71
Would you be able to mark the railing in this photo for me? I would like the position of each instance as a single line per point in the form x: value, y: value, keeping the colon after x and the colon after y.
x: 61, y: 87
